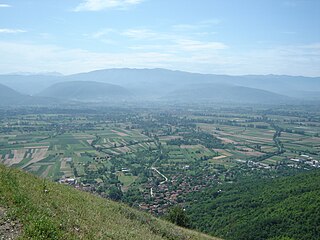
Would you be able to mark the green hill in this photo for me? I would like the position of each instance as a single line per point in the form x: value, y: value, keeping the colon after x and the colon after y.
x: 45, y: 210
x: 10, y: 97
x: 86, y: 91
x: 255, y: 208
x: 226, y: 93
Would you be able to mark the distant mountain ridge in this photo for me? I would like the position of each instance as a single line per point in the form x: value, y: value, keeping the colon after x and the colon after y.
x: 163, y: 80
x: 159, y: 84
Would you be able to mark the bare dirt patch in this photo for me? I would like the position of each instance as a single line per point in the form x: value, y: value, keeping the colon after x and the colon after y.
x: 121, y: 134
x: 39, y: 154
x: 252, y: 138
x: 89, y: 141
x: 226, y: 140
x: 18, y: 156
x: 124, y: 149
x: 38, y: 147
x: 9, y: 228
x: 222, y: 137
x: 219, y: 157
x: 252, y: 153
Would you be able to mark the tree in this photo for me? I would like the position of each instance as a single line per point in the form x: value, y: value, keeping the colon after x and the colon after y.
x: 115, y: 193
x: 178, y: 216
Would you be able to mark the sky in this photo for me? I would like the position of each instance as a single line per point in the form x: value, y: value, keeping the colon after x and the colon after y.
x: 235, y: 37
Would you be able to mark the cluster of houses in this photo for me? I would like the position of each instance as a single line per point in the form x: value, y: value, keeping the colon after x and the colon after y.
x: 306, y: 159
x: 158, y: 198
x: 68, y: 181
x: 258, y: 165
x: 295, y: 162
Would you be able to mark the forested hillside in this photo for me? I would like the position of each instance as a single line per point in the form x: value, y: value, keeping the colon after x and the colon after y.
x: 285, y: 207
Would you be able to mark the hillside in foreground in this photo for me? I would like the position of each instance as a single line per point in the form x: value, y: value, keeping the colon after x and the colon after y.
x: 38, y: 209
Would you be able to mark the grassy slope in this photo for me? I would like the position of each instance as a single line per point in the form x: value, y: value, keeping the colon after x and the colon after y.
x: 66, y: 213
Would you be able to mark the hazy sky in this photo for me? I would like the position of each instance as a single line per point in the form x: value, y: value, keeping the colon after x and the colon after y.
x: 208, y: 36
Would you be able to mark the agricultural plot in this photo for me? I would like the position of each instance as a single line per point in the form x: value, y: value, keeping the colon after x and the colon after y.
x: 239, y: 135
x: 296, y: 143
x: 251, y: 142
x: 120, y: 141
x: 23, y: 157
x: 245, y: 140
x: 52, y: 160
x: 126, y: 179
x: 187, y: 154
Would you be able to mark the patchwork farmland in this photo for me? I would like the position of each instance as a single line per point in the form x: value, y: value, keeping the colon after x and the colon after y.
x: 153, y: 159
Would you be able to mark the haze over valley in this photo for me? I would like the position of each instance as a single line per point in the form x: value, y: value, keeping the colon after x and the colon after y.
x: 161, y: 85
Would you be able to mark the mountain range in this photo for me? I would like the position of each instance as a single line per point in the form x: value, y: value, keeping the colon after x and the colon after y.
x: 159, y: 85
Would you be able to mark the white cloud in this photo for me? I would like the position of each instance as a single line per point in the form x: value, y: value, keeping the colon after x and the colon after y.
x: 196, y: 26
x: 98, y: 5
x: 101, y: 33
x: 148, y: 39
x: 185, y: 27
x: 3, y: 5
x: 104, y: 35
x: 142, y: 34
x: 313, y: 46
x: 35, y: 58
x: 169, y: 42
x: 8, y: 30
x: 291, y: 60
x: 193, y: 45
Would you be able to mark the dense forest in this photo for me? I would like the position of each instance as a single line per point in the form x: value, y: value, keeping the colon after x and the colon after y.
x: 280, y: 208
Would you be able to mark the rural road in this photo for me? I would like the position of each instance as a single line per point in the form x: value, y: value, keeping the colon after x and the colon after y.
x: 156, y: 170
